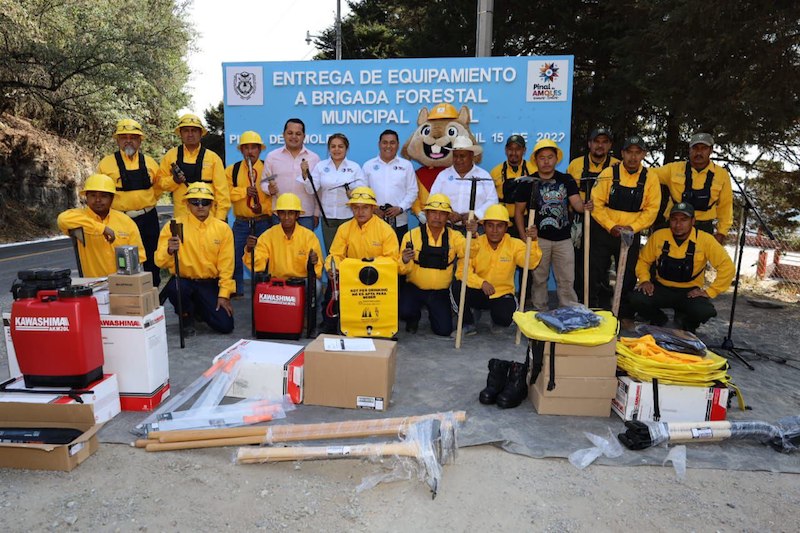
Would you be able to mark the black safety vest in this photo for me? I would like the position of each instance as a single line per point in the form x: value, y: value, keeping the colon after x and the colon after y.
x: 699, y: 199
x: 236, y: 167
x: 628, y: 199
x: 192, y: 171
x: 509, y: 187
x: 587, y: 176
x: 678, y: 270
x: 133, y: 180
x: 433, y: 256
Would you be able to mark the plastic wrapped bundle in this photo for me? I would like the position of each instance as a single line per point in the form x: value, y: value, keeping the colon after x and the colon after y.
x: 674, y: 340
x: 571, y: 318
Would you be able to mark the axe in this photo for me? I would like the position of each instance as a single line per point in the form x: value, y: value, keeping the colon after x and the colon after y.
x: 625, y: 241
x: 76, y: 234
x: 531, y: 220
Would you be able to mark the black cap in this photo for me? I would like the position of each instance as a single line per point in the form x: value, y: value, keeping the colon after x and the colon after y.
x: 597, y: 132
x: 683, y: 207
x: 516, y: 139
x: 634, y: 140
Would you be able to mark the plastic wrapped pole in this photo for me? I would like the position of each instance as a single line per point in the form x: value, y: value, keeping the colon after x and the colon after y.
x: 219, y: 386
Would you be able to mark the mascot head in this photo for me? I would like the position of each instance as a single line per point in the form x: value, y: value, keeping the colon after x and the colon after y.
x: 430, y: 143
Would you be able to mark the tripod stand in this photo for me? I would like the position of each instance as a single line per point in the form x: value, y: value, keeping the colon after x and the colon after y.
x: 748, y: 205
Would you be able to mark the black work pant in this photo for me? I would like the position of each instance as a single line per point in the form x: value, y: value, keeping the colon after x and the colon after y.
x: 501, y: 309
x: 149, y: 230
x: 413, y: 300
x: 199, y: 300
x: 695, y: 311
x: 603, y: 247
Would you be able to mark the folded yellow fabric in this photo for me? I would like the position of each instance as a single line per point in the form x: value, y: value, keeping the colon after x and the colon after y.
x: 537, y: 330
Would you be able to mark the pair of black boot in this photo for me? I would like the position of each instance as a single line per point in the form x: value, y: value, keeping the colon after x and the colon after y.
x: 506, y: 385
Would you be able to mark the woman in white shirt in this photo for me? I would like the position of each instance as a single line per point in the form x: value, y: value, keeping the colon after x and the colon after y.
x: 334, y: 178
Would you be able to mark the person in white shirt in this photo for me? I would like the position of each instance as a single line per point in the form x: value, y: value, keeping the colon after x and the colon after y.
x: 283, y: 167
x: 456, y: 183
x: 334, y: 178
x: 394, y: 182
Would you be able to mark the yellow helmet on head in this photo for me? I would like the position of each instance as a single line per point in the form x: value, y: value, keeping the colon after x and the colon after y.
x: 198, y: 190
x: 251, y: 137
x: 289, y: 202
x: 128, y: 126
x: 548, y: 143
x: 99, y: 182
x: 362, y: 195
x: 438, y: 202
x: 190, y: 120
x: 496, y: 212
x: 443, y: 110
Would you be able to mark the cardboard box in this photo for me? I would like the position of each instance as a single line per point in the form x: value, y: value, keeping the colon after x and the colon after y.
x: 349, y: 379
x: 267, y: 370
x: 145, y: 401
x: 569, y: 406
x: 603, y: 350
x: 130, y: 284
x: 104, y: 396
x: 677, y: 403
x: 578, y: 387
x: 591, y: 366
x: 131, y: 304
x: 574, y: 396
x: 48, y: 456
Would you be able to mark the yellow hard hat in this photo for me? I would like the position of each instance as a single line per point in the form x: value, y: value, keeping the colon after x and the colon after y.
x: 496, y: 212
x: 362, y: 195
x: 251, y: 137
x: 198, y: 190
x: 289, y: 202
x: 190, y: 120
x: 548, y: 143
x: 443, y: 110
x: 128, y: 126
x: 99, y: 182
x: 438, y: 202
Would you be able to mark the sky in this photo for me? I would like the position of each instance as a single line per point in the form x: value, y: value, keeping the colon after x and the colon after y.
x: 250, y: 30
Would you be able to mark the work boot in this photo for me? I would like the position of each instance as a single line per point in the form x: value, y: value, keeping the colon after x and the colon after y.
x: 516, y: 388
x: 412, y: 326
x: 495, y: 382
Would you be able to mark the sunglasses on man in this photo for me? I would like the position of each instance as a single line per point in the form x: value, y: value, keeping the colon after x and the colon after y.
x: 200, y: 202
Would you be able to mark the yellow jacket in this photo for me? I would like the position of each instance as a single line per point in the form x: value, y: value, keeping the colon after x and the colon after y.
x: 673, y: 176
x: 131, y: 200
x: 239, y: 192
x: 707, y: 250
x: 497, y: 266
x: 287, y: 256
x: 206, y: 252
x: 98, y: 258
x: 497, y: 176
x: 608, y: 218
x: 431, y: 278
x: 375, y: 238
x: 213, y: 174
x: 575, y: 169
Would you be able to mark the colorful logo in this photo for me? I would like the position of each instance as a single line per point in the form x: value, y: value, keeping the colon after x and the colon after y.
x: 548, y: 72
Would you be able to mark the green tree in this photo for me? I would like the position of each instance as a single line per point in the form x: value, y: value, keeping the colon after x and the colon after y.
x: 215, y: 122
x: 776, y: 194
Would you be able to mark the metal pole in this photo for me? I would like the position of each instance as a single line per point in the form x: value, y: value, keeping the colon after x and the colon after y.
x: 483, y: 36
x: 338, y: 30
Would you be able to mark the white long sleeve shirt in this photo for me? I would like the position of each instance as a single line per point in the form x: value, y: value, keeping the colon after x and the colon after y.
x: 394, y: 183
x: 457, y: 189
x: 330, y: 182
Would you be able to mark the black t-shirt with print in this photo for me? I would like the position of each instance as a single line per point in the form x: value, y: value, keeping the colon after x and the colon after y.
x: 552, y: 205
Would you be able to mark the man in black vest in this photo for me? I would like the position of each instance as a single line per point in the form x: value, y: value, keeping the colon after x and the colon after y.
x: 136, y: 178
x: 509, y: 170
x: 626, y: 197
x: 428, y: 255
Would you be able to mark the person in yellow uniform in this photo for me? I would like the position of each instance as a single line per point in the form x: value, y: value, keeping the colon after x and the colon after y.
x: 191, y: 163
x: 492, y: 265
x: 506, y: 172
x: 626, y: 197
x: 284, y: 250
x: 206, y: 263
x: 365, y: 236
x: 428, y: 267
x: 252, y: 207
x: 680, y: 254
x: 104, y: 228
x: 703, y: 184
x: 136, y: 179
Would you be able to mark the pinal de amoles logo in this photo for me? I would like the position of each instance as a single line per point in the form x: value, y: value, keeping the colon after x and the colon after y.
x: 548, y: 72
x: 244, y: 83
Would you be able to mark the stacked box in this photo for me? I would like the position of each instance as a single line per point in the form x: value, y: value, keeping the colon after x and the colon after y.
x: 585, y: 380
x: 132, y: 294
x: 636, y: 400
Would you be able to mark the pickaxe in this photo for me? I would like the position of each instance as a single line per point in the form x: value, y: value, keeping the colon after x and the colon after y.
x: 625, y: 241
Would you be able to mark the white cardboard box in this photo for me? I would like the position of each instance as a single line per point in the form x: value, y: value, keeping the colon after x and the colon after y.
x: 267, y: 370
x: 677, y: 403
x: 104, y: 397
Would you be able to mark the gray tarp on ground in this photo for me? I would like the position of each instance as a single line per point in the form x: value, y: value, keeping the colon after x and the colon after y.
x: 433, y: 376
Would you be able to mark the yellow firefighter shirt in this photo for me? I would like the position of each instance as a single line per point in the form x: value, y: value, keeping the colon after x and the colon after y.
x: 497, y: 266
x: 213, y: 174
x: 673, y: 176
x: 287, y: 256
x: 525, y: 168
x: 431, y: 278
x: 639, y: 220
x: 707, y: 250
x: 131, y: 200
x: 375, y: 238
x: 575, y: 169
x: 206, y: 252
x: 98, y: 258
x: 239, y: 191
